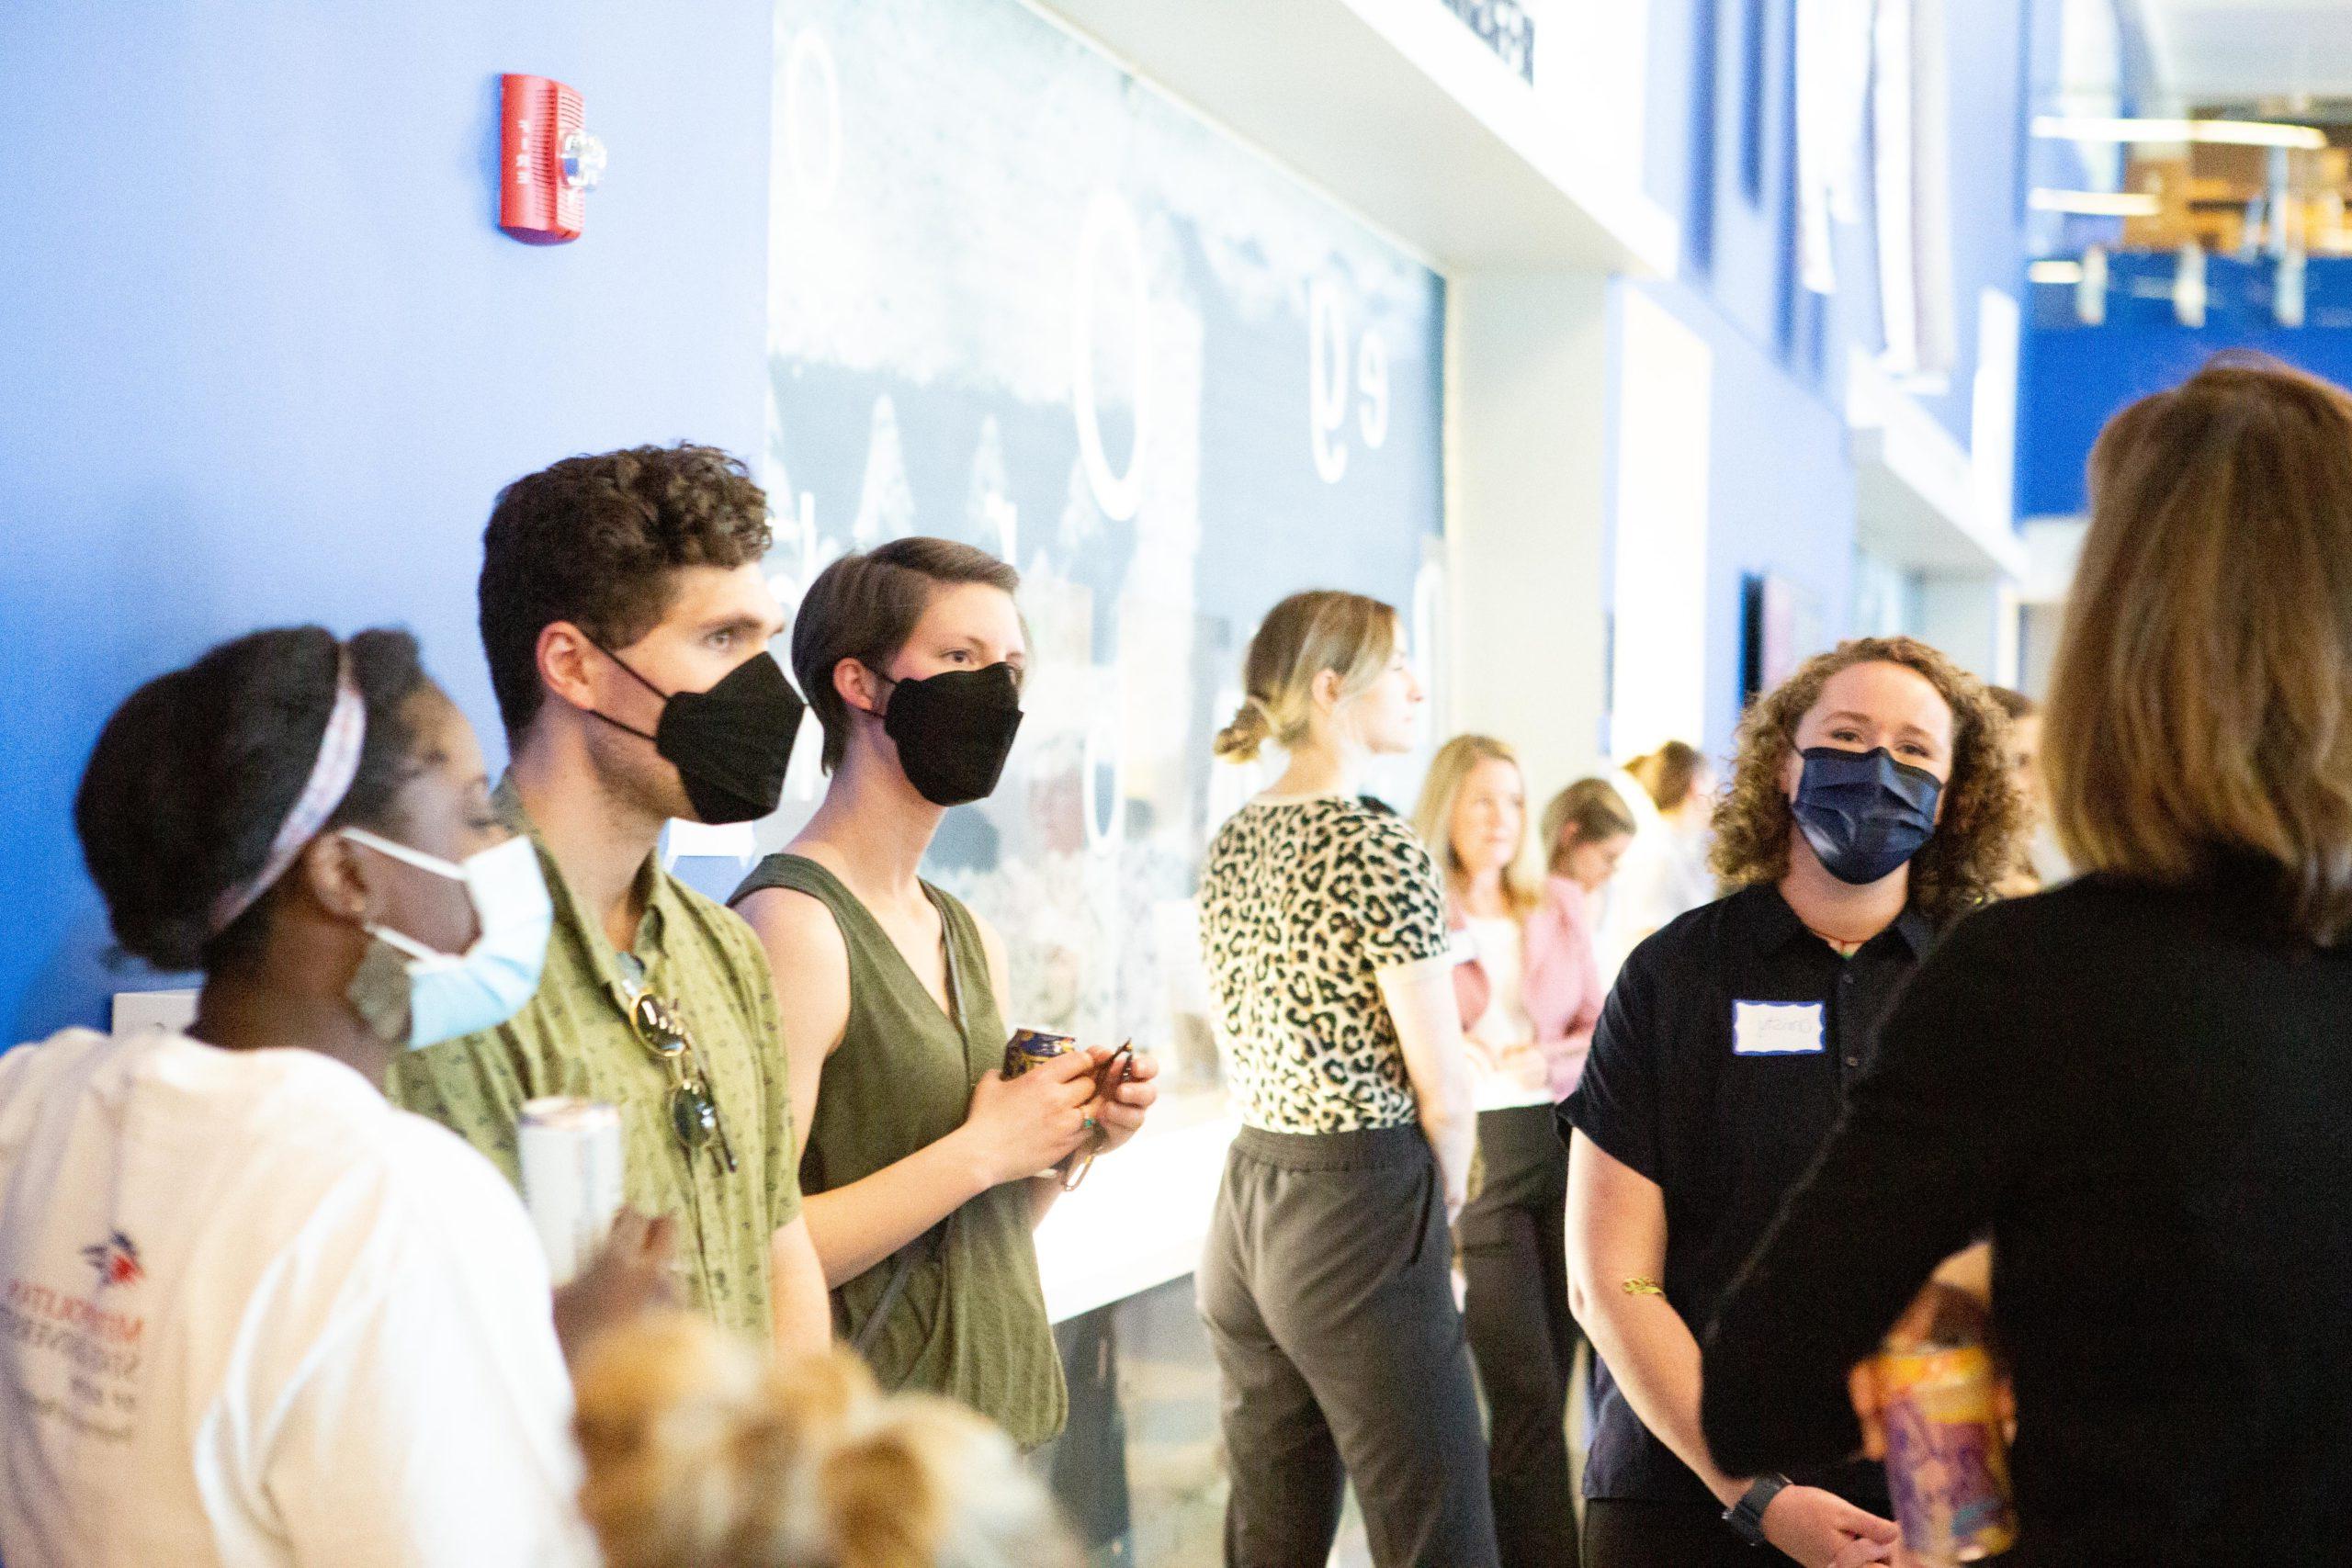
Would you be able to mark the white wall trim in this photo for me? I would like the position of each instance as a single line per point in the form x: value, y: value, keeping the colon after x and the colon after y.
x: 1917, y: 498
x: 1400, y: 112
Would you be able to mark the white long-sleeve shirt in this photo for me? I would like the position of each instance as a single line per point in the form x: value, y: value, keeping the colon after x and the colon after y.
x: 252, y: 1317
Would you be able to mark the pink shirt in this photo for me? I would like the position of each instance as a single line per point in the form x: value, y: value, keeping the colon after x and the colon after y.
x: 1560, y: 984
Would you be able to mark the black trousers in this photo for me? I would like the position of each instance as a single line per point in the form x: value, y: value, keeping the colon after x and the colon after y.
x: 1622, y: 1534
x: 1514, y: 1253
x: 1327, y: 1291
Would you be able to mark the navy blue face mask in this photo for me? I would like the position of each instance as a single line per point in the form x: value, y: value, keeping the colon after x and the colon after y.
x: 1864, y: 812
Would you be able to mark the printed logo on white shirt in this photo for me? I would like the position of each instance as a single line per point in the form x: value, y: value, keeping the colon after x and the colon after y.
x: 81, y: 1353
x: 116, y: 1260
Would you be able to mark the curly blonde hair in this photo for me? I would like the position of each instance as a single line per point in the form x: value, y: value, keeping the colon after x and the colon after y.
x: 700, y: 1454
x: 1975, y: 844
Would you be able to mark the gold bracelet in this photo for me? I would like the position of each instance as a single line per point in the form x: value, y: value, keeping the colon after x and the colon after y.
x: 1640, y: 1287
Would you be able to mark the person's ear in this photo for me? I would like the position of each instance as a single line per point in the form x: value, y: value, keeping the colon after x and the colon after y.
x: 565, y: 655
x: 859, y: 688
x: 330, y: 874
x: 1325, y: 690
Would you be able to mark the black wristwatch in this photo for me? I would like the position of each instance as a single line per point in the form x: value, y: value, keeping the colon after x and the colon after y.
x: 1746, y: 1515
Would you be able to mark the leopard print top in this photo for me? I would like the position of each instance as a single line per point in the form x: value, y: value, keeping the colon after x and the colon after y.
x: 1301, y: 902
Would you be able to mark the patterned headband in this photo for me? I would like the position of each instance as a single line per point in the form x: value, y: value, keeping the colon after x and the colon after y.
x: 330, y: 781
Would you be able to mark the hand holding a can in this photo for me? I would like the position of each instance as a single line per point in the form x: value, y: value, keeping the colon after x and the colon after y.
x: 1022, y: 1125
x: 1948, y: 1309
x: 628, y: 1275
x: 1937, y: 1409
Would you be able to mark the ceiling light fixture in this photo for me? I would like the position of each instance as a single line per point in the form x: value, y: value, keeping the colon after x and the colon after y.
x: 2095, y: 203
x: 2235, y: 132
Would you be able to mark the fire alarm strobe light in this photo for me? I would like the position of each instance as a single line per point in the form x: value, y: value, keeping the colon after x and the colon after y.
x: 546, y: 162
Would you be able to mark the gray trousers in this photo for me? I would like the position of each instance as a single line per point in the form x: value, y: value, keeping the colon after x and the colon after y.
x: 1327, y: 1291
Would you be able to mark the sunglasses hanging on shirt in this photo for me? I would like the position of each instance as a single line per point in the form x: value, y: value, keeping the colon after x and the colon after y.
x: 693, y: 1108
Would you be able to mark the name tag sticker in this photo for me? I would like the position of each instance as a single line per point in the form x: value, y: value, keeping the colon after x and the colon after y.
x: 1777, y: 1029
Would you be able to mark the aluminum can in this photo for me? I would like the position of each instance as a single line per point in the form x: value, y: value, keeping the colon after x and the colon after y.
x: 1946, y: 1462
x: 1028, y: 1047
x: 571, y: 1154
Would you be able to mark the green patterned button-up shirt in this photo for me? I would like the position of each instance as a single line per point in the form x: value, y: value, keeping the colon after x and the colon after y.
x: 575, y: 1038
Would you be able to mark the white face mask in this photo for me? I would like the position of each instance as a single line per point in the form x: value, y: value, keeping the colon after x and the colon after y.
x: 416, y: 995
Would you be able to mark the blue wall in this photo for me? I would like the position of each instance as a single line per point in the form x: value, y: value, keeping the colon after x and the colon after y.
x: 2075, y: 378
x: 1779, y: 498
x: 1721, y: 155
x: 270, y: 357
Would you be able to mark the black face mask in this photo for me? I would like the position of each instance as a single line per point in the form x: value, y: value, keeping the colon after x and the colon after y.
x: 730, y: 744
x: 954, y: 731
x: 1864, y: 812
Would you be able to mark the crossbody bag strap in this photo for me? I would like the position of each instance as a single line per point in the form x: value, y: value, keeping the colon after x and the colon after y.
x: 902, y: 1268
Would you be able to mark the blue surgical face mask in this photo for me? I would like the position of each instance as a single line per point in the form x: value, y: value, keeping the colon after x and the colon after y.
x: 1864, y: 812
x: 416, y: 995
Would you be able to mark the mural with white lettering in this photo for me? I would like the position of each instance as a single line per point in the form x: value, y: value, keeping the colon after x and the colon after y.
x: 1021, y: 298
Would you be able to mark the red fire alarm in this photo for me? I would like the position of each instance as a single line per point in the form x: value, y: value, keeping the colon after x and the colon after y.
x: 547, y: 163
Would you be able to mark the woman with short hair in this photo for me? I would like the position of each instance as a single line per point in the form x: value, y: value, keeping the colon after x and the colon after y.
x: 925, y: 1171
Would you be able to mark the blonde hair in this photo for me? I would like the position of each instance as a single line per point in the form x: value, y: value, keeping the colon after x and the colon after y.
x: 1592, y: 806
x: 1300, y: 638
x: 1975, y: 844
x: 1433, y: 818
x: 2202, y: 701
x: 700, y: 1454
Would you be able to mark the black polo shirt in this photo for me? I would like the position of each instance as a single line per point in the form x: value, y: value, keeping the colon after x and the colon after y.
x: 1719, y: 1066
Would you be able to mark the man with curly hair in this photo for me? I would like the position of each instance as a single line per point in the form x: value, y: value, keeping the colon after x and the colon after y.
x: 1870, y: 806
x: 627, y: 623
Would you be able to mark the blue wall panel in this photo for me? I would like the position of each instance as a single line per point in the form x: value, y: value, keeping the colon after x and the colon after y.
x: 270, y: 357
x: 1782, y: 478
x: 2075, y: 378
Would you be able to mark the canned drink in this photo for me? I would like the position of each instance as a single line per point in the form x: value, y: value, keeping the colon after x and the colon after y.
x: 1028, y: 1047
x: 1945, y: 1461
x: 571, y: 1154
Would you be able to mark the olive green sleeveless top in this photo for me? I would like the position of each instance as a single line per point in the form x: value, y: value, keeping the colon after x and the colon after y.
x: 971, y: 1322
